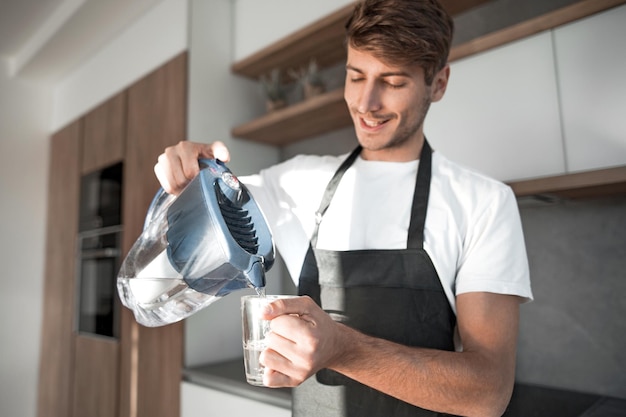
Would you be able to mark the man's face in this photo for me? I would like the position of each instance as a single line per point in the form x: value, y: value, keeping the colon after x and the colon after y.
x: 388, y: 105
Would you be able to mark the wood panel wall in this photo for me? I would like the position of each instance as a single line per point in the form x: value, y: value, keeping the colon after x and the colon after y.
x: 152, y: 358
x: 104, y: 134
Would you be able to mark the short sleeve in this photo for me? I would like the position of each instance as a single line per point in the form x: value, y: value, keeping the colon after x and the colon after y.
x: 494, y: 257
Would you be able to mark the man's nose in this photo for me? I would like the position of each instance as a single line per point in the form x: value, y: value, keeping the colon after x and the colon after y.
x: 369, y: 98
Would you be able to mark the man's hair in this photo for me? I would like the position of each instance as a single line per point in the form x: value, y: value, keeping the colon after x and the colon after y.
x: 403, y: 32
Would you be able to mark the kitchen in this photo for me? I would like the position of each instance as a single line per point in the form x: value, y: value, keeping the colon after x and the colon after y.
x: 94, y: 81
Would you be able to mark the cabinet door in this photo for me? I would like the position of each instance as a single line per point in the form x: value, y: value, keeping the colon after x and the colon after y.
x: 500, y: 112
x: 96, y: 358
x: 96, y: 373
x: 151, y: 358
x: 57, y: 342
x: 104, y: 134
x: 592, y: 84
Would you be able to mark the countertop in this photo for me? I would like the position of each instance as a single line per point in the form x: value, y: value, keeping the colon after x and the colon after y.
x: 229, y: 377
x: 527, y: 400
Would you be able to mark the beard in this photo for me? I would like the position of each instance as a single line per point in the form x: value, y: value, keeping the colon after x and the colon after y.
x: 405, y: 132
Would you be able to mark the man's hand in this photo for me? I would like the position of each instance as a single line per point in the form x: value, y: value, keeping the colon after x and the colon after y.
x: 474, y: 382
x: 178, y: 164
x: 303, y: 340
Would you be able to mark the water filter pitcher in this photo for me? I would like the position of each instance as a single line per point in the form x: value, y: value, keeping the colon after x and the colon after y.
x: 195, y: 248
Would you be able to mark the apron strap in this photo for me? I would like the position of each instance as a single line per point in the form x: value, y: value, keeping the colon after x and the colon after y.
x: 415, y: 238
x: 330, y: 191
x: 420, y: 199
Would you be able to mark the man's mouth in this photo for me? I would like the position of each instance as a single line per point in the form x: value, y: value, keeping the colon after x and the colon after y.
x: 372, y: 123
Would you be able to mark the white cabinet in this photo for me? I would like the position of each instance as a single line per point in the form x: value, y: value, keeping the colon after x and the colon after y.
x: 199, y: 401
x: 591, y: 56
x: 500, y: 112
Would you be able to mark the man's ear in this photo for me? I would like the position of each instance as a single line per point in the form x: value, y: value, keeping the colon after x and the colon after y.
x: 440, y: 83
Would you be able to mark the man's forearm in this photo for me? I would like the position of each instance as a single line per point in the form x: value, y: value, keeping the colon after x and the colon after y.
x: 460, y: 383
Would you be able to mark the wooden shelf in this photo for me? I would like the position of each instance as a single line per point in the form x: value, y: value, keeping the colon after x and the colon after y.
x: 589, y: 184
x: 533, y: 26
x: 315, y: 116
x: 322, y: 40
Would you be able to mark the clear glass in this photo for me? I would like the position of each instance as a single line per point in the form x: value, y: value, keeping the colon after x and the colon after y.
x: 254, y: 330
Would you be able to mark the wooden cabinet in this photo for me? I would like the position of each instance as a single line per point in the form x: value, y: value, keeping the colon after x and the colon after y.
x: 96, y: 377
x: 104, y: 134
x: 323, y: 40
x: 96, y: 382
x: 56, y: 362
x: 592, y: 87
x: 151, y: 358
x: 138, y: 374
x: 544, y: 107
x: 502, y: 103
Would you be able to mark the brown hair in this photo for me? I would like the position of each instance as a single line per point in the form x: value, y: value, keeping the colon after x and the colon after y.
x: 403, y: 32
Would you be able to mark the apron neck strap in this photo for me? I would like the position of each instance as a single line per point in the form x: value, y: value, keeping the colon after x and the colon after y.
x: 420, y: 196
x: 330, y: 191
x: 420, y: 199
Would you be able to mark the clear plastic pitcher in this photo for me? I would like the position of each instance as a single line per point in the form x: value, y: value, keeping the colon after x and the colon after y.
x: 195, y: 248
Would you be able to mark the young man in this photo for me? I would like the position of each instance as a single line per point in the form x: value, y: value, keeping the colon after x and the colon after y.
x: 413, y: 267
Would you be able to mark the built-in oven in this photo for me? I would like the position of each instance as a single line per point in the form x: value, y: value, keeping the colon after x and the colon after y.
x: 99, y: 253
x: 99, y: 262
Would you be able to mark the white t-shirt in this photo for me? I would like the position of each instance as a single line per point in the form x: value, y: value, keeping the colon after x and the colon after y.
x: 473, y: 232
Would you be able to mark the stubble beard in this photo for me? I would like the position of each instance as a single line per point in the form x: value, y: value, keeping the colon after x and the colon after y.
x: 404, y: 135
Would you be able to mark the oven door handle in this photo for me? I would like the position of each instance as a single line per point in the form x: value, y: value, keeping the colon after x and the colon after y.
x: 99, y: 253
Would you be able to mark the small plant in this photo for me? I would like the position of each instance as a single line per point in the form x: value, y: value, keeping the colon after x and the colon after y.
x: 310, y: 79
x: 273, y: 89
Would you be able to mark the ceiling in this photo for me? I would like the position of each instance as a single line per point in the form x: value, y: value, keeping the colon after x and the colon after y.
x: 44, y: 40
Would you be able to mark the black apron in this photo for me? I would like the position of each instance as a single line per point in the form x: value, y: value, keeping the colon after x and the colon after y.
x: 391, y: 294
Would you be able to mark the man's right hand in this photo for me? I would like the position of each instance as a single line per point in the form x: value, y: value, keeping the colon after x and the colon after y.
x: 178, y: 164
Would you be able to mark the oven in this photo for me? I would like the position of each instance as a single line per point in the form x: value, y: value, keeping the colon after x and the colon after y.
x: 99, y: 262
x: 99, y: 253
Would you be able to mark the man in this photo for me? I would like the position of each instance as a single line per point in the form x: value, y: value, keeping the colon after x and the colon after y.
x: 418, y: 265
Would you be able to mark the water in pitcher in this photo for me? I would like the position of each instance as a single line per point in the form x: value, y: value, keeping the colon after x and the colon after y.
x: 161, y: 301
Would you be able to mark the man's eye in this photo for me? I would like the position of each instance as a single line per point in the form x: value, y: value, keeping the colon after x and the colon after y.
x: 395, y: 85
x: 356, y: 79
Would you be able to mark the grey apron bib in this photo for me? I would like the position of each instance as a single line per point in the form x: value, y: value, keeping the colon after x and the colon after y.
x: 391, y: 294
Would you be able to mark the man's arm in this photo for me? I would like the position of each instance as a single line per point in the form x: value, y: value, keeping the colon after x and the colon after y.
x: 475, y: 382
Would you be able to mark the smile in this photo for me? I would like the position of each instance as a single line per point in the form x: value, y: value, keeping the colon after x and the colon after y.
x: 372, y: 123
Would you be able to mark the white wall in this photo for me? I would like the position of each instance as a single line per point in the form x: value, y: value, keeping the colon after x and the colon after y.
x: 154, y: 39
x: 260, y: 23
x: 29, y: 113
x: 24, y: 120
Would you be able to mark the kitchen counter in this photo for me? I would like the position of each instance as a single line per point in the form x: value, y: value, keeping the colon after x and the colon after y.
x: 527, y: 400
x: 229, y: 377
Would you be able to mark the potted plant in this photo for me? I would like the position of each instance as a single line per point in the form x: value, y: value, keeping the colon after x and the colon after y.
x: 310, y: 79
x: 274, y: 91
